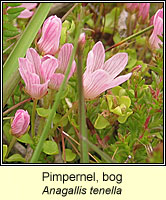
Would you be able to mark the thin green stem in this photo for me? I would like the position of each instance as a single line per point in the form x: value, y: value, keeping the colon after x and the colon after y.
x: 13, y: 141
x: 33, y: 118
x: 130, y: 37
x: 81, y: 108
x: 44, y: 135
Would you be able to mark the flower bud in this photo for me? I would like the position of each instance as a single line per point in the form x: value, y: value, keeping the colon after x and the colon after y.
x: 20, y: 123
x: 51, y: 32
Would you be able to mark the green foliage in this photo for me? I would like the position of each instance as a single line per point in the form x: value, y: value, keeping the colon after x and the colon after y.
x: 50, y: 148
x: 125, y: 123
x: 70, y: 156
x: 16, y: 158
x: 4, y: 151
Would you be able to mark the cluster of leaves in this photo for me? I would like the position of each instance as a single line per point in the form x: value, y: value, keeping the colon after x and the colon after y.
x: 125, y: 122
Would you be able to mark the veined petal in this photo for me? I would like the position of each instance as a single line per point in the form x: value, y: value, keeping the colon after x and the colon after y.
x: 119, y: 80
x: 56, y: 81
x: 64, y: 57
x: 38, y: 90
x: 51, y: 31
x: 95, y: 83
x: 158, y: 30
x: 49, y: 65
x: 116, y: 64
x: 26, y: 14
x: 96, y: 57
x: 26, y: 65
x: 34, y: 58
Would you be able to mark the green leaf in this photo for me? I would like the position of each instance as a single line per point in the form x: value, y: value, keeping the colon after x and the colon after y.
x: 70, y: 156
x: 16, y: 158
x: 42, y: 112
x: 118, y: 91
x: 8, y: 33
x: 50, y: 148
x: 110, y: 102
x: 125, y: 100
x: 132, y: 57
x: 25, y: 139
x: 9, y: 27
x: 57, y: 118
x: 122, y: 119
x: 72, y: 27
x: 15, y: 10
x: 4, y: 151
x: 10, y: 17
x: 117, y: 111
x: 101, y: 122
x: 6, y: 131
x: 14, y: 4
x: 110, y: 20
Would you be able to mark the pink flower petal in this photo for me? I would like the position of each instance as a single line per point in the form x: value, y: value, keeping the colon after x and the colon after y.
x: 96, y: 57
x: 34, y: 58
x: 116, y: 64
x: 26, y: 14
x: 119, y: 80
x: 56, y: 81
x: 51, y: 31
x: 48, y: 67
x: 158, y: 30
x: 95, y: 83
x: 64, y: 57
x: 39, y: 90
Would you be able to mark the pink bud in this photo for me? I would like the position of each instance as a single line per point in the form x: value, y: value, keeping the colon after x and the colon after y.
x: 143, y: 11
x: 82, y: 39
x: 20, y: 123
x: 132, y: 7
x: 136, y: 68
x: 51, y: 32
x: 154, y: 40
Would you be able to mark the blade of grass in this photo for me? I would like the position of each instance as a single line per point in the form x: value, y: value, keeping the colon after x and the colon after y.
x: 44, y: 135
x: 11, y: 64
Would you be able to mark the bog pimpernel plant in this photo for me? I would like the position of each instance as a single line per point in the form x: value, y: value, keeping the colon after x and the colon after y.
x: 83, y: 85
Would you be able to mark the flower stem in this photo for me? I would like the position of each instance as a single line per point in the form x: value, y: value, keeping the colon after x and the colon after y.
x: 13, y: 141
x: 81, y: 108
x: 33, y: 118
x: 130, y: 37
x: 44, y: 135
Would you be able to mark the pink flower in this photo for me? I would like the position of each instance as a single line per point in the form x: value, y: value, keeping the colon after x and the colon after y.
x: 142, y: 8
x: 36, y: 72
x: 20, y: 123
x: 51, y: 32
x: 63, y: 61
x: 100, y: 76
x: 154, y: 40
x: 143, y: 11
x: 132, y: 7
